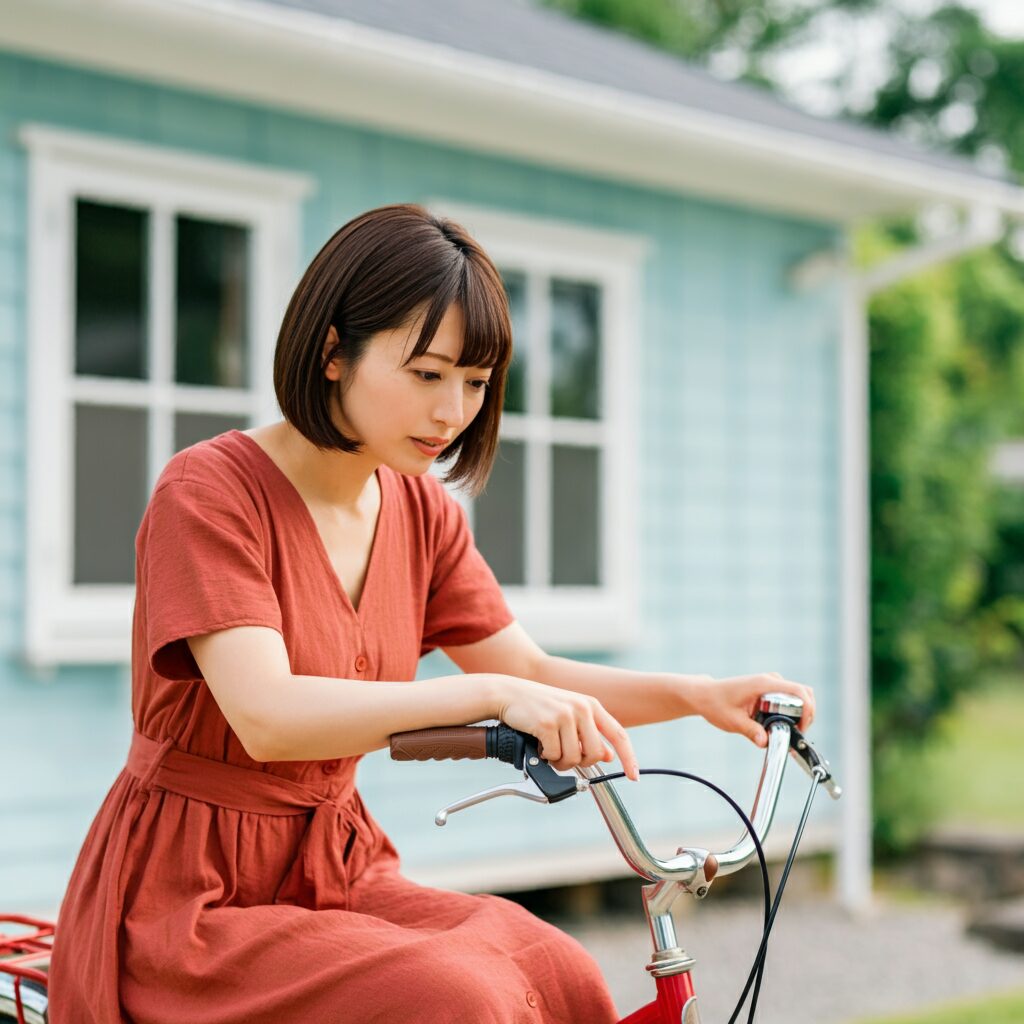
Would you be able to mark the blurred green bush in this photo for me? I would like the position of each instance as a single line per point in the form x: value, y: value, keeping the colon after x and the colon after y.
x: 947, y: 539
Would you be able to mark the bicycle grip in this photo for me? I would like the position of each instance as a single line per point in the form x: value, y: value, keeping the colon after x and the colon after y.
x: 446, y: 743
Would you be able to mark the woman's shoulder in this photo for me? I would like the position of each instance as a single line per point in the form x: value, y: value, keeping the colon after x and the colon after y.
x: 220, y: 464
x: 423, y: 497
x: 431, y: 513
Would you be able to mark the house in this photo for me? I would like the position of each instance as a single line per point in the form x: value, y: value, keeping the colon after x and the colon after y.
x: 683, y: 475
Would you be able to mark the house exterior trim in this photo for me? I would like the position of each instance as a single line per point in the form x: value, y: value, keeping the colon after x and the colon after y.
x: 343, y: 70
x: 91, y: 623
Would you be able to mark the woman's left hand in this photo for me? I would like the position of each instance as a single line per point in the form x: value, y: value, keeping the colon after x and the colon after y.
x: 730, y: 703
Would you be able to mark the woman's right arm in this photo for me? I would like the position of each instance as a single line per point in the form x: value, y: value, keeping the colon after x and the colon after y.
x: 278, y: 716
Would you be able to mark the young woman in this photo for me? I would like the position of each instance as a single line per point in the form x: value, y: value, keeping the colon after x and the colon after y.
x: 288, y: 578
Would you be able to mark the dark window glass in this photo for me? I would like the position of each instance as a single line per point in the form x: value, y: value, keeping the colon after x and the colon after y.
x: 575, y: 349
x: 515, y: 388
x: 111, y: 272
x: 211, y: 304
x: 192, y: 427
x: 499, y: 515
x: 575, y: 516
x: 110, y: 491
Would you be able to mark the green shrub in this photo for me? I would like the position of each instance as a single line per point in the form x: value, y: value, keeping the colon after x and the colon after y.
x: 946, y: 357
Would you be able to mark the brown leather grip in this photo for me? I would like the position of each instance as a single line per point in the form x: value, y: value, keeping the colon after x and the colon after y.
x: 442, y: 744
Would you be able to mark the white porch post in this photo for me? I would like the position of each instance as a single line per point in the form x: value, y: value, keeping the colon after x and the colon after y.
x: 854, y: 854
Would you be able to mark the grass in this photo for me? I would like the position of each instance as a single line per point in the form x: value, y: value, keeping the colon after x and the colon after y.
x: 976, y: 755
x: 1004, y: 1009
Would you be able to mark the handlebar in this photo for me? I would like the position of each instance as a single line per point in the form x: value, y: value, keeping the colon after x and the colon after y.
x: 693, y: 868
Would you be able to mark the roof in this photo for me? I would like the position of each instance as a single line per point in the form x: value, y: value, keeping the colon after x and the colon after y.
x: 519, y: 81
x: 528, y: 34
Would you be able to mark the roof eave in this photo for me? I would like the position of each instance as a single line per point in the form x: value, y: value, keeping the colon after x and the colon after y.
x: 341, y: 70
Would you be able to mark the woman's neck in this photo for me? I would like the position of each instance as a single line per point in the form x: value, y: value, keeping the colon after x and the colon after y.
x: 333, y: 478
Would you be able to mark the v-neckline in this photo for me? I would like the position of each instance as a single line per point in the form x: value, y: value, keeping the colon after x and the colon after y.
x: 325, y: 558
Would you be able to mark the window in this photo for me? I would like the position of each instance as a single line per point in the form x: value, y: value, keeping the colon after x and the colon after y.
x: 156, y: 284
x: 556, y: 520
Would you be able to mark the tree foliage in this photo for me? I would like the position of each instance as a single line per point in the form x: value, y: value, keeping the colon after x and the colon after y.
x: 940, y: 389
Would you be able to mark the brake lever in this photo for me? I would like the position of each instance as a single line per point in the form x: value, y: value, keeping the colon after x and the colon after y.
x: 813, y: 763
x: 527, y: 790
x: 541, y: 783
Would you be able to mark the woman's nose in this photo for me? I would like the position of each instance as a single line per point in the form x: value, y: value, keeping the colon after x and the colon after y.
x: 450, y: 410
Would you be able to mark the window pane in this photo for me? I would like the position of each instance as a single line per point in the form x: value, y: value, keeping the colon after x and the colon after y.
x: 575, y: 349
x: 111, y: 271
x: 515, y: 389
x: 192, y: 427
x: 212, y: 303
x: 110, y: 491
x: 499, y: 523
x: 575, y: 516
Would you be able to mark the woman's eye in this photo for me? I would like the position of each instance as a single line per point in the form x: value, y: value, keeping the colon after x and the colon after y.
x: 479, y: 385
x: 427, y: 375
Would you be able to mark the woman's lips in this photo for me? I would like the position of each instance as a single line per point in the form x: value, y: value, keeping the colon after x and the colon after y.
x: 428, y: 448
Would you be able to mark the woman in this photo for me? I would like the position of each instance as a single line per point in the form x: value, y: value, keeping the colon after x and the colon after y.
x: 288, y: 578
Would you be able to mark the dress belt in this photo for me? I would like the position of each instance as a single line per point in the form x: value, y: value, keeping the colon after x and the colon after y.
x: 165, y: 766
x: 331, y: 854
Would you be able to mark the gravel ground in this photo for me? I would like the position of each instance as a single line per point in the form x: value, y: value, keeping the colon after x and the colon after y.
x: 824, y: 967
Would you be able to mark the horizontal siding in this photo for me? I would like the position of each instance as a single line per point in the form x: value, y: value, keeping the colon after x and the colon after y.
x: 737, y: 455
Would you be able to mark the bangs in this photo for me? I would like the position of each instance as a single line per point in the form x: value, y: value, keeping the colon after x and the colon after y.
x: 379, y: 272
x: 479, y: 291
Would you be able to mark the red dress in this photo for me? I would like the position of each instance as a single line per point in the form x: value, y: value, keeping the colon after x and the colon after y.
x: 214, y: 889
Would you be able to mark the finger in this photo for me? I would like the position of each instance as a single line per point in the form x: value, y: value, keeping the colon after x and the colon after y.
x: 806, y: 694
x: 620, y: 741
x: 810, y: 706
x: 571, y: 752
x: 591, y: 741
x: 549, y: 745
x: 754, y: 732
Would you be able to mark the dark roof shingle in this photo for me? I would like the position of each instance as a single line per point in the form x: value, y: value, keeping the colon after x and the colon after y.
x: 521, y: 32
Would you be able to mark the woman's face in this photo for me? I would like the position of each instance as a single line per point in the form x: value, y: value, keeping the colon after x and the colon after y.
x: 405, y: 414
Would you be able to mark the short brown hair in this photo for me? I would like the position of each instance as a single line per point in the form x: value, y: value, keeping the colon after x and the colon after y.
x: 374, y: 274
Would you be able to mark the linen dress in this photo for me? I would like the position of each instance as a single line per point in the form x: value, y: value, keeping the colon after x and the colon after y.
x: 214, y: 889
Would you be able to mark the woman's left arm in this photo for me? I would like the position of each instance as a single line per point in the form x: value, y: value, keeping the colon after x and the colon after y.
x: 631, y: 697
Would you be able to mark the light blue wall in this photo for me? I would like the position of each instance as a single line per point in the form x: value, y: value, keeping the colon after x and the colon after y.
x: 737, y: 485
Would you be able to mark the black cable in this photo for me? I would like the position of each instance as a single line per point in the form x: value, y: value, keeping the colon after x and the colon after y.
x: 759, y: 960
x: 762, y: 950
x: 757, y: 969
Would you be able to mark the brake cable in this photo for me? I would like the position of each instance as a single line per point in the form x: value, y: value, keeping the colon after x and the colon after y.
x: 770, y: 907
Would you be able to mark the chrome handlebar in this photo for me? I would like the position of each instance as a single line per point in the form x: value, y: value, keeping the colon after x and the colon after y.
x: 689, y: 865
x: 692, y: 868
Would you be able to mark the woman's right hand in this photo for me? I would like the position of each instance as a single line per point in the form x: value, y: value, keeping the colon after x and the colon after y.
x: 571, y: 728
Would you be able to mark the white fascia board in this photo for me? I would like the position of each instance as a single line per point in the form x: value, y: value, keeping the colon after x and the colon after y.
x: 326, y: 66
x: 86, y: 150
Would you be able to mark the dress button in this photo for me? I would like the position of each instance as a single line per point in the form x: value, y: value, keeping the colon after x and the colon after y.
x: 329, y: 767
x: 531, y: 999
x: 361, y: 663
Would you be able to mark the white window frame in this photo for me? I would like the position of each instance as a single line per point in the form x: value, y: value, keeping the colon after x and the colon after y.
x: 91, y: 623
x: 574, y: 618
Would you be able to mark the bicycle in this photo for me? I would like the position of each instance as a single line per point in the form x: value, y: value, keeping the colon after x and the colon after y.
x: 692, y: 870
x: 24, y: 958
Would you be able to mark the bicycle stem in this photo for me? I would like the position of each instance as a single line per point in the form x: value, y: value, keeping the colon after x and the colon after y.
x: 692, y: 869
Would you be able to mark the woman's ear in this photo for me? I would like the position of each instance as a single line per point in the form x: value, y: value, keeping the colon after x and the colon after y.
x: 332, y: 369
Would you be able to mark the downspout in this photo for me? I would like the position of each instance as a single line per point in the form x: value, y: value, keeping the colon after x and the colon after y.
x: 984, y: 227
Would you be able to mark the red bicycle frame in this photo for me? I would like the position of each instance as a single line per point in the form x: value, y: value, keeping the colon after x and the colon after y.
x: 674, y: 993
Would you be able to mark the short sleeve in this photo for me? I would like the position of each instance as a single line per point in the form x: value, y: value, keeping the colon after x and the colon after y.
x: 465, y: 602
x: 201, y: 568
